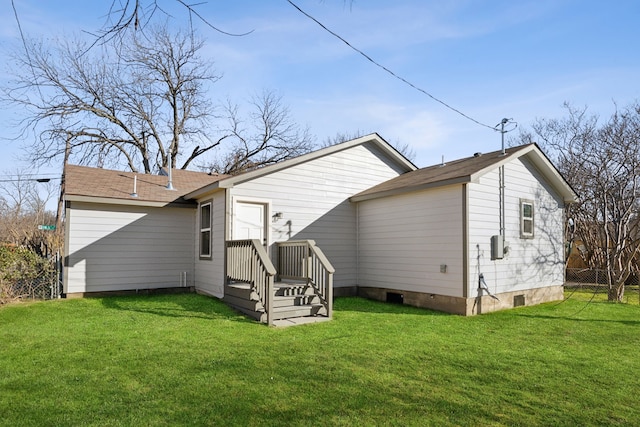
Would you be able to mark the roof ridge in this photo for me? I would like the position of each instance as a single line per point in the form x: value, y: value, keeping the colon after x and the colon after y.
x: 179, y: 170
x: 454, y: 172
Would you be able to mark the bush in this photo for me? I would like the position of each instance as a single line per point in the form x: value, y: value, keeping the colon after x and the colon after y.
x: 23, y: 274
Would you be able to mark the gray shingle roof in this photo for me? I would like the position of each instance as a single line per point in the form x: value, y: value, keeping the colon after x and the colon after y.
x: 457, y: 171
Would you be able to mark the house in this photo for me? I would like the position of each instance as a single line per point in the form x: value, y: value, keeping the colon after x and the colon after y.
x: 127, y: 231
x: 163, y: 238
x: 356, y: 218
x: 471, y: 236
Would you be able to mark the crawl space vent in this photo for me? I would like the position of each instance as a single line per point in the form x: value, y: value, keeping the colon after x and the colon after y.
x: 395, y: 298
x: 518, y: 300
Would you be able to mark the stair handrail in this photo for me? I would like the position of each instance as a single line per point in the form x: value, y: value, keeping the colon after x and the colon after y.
x: 248, y: 262
x: 304, y: 260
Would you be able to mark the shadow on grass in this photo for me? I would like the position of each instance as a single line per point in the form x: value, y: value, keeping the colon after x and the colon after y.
x: 204, y: 307
x: 177, y: 306
x: 363, y: 305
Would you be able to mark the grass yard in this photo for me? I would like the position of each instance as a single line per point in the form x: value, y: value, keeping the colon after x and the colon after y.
x: 631, y: 294
x: 189, y: 360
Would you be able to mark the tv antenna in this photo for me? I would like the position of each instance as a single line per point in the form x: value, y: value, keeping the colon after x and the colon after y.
x: 502, y: 130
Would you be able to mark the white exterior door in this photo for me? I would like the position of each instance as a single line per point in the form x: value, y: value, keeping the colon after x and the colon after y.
x: 250, y: 221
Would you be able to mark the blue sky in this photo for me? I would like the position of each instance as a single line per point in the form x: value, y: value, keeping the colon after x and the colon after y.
x: 488, y: 59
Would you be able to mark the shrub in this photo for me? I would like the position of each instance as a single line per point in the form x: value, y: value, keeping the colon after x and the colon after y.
x: 23, y: 274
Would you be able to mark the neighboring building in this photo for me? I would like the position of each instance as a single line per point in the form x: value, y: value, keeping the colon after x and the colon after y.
x: 391, y: 232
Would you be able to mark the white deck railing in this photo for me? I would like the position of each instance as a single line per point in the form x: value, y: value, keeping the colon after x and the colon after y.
x: 303, y: 260
x: 248, y: 262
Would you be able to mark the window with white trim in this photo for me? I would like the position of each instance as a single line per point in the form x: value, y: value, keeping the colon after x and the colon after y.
x: 205, y: 230
x: 526, y: 219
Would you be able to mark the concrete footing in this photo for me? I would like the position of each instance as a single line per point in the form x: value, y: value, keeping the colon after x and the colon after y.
x: 465, y: 306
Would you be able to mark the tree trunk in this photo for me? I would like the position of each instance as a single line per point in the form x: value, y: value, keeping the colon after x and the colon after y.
x: 616, y: 292
x: 59, y: 212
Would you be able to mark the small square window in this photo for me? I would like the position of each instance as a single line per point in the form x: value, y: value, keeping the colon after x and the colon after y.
x: 526, y: 219
x: 205, y: 230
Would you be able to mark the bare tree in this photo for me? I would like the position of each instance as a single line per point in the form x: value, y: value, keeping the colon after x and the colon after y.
x: 405, y: 149
x: 136, y: 15
x: 123, y: 16
x: 341, y: 137
x: 141, y: 104
x: 602, y: 163
x: 23, y: 203
x: 171, y: 90
x: 130, y: 104
x: 264, y: 136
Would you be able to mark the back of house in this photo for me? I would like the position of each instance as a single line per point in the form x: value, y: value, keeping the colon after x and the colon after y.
x: 475, y: 235
x: 176, y: 238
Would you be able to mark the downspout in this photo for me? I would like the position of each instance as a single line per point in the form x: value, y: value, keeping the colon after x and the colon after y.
x: 66, y: 263
x: 465, y: 242
x: 227, y: 214
x: 227, y: 236
x: 357, y: 284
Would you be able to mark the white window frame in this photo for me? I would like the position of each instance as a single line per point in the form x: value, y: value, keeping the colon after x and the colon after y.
x: 203, y: 230
x: 525, y: 219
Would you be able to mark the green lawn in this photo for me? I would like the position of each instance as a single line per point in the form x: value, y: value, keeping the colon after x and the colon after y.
x: 189, y: 360
x: 631, y: 294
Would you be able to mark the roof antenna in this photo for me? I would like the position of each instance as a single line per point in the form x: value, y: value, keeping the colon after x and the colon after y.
x: 502, y: 123
x: 502, y: 131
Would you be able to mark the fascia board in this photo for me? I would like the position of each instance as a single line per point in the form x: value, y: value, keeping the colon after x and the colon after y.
x: 206, y: 190
x: 544, y: 166
x: 374, y: 137
x: 124, y: 202
x: 506, y: 159
x: 248, y: 176
x: 410, y: 189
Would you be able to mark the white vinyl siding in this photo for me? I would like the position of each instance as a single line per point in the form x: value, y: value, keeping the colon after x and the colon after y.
x: 405, y: 239
x: 313, y: 199
x: 529, y: 263
x: 209, y: 272
x: 116, y: 248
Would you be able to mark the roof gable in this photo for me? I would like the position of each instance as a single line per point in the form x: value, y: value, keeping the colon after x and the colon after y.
x: 388, y: 150
x: 469, y: 169
x: 110, y: 186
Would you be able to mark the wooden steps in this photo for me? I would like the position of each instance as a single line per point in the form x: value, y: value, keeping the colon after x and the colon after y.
x: 291, y: 300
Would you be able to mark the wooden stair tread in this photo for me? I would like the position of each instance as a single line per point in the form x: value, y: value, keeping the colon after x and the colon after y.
x: 291, y: 300
x: 296, y: 307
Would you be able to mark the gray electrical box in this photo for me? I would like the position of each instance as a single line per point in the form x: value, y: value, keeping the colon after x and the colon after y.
x: 497, y: 247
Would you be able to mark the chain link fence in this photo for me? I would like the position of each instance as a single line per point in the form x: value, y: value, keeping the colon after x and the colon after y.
x: 45, y: 284
x: 592, y: 284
